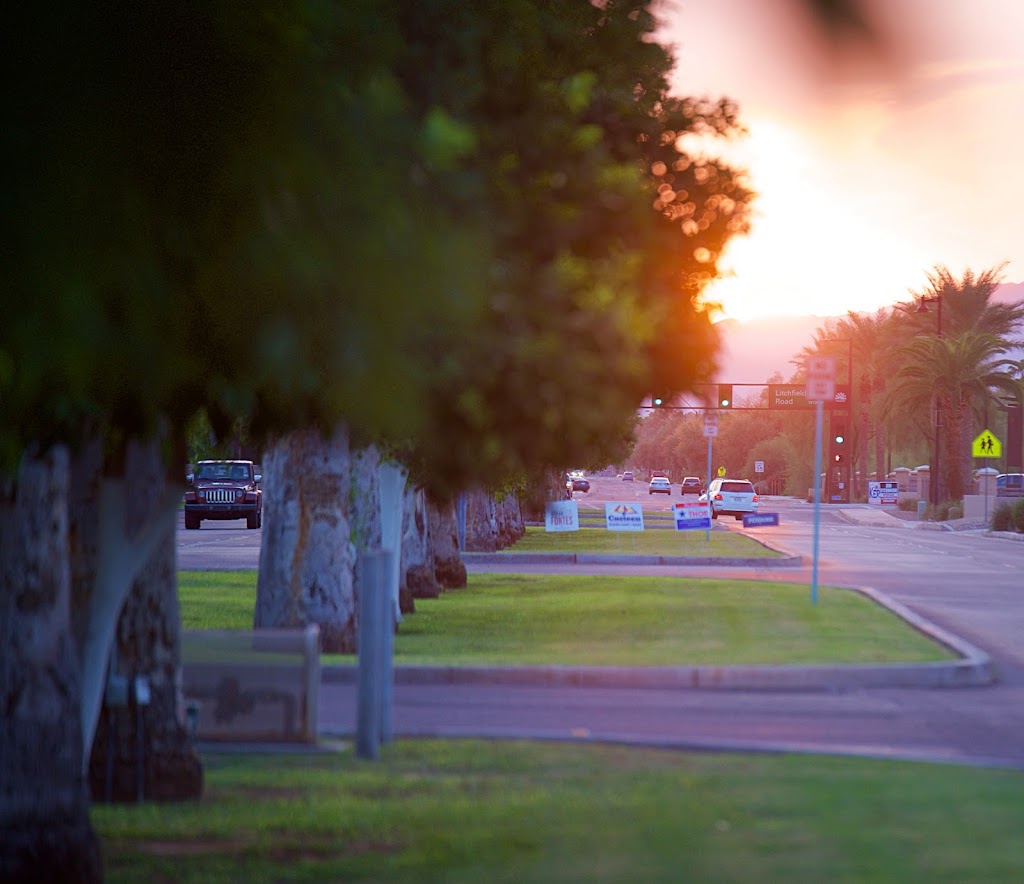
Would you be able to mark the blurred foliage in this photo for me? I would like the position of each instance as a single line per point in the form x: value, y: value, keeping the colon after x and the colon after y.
x: 1017, y: 514
x: 469, y: 231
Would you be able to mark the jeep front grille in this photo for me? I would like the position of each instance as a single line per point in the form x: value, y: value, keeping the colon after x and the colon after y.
x: 220, y: 495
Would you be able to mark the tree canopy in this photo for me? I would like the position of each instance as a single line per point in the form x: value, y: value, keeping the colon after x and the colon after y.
x: 466, y: 226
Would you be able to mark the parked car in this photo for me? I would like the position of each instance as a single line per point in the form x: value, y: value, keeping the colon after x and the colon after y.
x: 224, y: 489
x: 1010, y: 485
x: 659, y: 485
x: 627, y: 476
x: 692, y: 485
x: 731, y: 497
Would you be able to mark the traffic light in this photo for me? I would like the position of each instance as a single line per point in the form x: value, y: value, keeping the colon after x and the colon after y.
x: 725, y: 395
x: 838, y: 430
x: 838, y: 438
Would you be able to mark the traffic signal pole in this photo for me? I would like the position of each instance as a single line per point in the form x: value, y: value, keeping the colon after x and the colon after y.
x: 817, y: 502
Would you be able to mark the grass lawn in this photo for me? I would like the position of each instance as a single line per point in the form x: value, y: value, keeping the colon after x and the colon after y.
x: 610, y: 621
x: 475, y: 811
x: 720, y: 543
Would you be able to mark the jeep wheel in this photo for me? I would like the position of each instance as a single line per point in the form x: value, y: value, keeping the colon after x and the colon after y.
x: 255, y: 520
x: 192, y: 522
x: 714, y: 515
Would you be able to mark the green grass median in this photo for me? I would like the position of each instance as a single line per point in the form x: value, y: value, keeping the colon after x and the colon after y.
x: 472, y: 811
x: 538, y: 619
x: 718, y: 543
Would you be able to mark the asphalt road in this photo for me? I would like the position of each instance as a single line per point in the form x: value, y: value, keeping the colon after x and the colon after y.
x: 967, y: 583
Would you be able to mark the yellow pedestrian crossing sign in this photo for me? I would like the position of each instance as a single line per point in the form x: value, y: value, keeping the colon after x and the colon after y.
x: 721, y: 471
x: 986, y: 445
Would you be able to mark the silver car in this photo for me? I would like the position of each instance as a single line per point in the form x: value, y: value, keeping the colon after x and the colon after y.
x: 731, y: 497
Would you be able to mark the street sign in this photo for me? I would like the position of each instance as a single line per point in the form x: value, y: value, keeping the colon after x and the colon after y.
x: 793, y: 397
x: 821, y: 378
x: 758, y: 466
x: 721, y: 472
x: 710, y: 424
x: 986, y: 445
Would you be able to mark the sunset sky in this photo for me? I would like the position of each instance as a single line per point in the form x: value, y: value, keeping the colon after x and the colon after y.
x: 869, y: 173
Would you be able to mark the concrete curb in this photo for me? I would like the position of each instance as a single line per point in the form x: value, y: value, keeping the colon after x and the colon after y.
x: 509, y: 558
x: 974, y: 668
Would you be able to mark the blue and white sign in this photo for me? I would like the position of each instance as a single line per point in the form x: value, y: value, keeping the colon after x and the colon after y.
x: 623, y: 516
x: 884, y: 493
x: 691, y: 514
x: 760, y: 520
x: 561, y: 515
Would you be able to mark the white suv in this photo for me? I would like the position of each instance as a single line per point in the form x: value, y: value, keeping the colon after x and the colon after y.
x: 731, y: 497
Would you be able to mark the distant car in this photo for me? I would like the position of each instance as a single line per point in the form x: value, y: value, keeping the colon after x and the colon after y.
x: 627, y: 476
x: 578, y: 483
x: 731, y: 497
x: 692, y: 485
x: 659, y: 485
x: 224, y: 489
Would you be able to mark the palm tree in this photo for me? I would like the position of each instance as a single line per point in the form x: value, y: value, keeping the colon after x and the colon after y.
x: 956, y: 374
x: 967, y: 304
x: 858, y: 339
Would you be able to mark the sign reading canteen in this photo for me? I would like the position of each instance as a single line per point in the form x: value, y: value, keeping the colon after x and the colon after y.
x: 623, y: 517
x: 793, y: 397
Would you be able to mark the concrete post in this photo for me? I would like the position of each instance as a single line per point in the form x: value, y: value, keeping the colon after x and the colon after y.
x: 375, y: 626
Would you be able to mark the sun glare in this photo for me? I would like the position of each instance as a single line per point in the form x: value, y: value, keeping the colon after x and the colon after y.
x: 817, y: 245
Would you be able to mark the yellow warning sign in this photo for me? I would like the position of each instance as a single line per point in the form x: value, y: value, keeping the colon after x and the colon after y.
x: 721, y: 471
x: 986, y: 445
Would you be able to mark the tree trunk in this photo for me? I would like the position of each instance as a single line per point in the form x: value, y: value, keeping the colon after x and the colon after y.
x: 44, y: 804
x: 417, y: 569
x: 481, y: 522
x: 449, y: 569
x: 307, y: 561
x: 144, y: 751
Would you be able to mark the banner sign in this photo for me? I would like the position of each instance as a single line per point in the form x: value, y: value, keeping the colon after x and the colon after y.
x: 759, y: 520
x: 561, y: 515
x: 793, y: 397
x: 691, y: 514
x: 884, y: 493
x: 623, y: 516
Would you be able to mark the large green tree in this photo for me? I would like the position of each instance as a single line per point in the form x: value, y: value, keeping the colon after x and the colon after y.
x: 253, y: 210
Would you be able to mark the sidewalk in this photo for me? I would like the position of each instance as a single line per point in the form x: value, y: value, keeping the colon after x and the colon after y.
x: 875, y: 517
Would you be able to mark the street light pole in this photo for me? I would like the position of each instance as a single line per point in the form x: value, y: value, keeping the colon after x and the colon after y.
x: 933, y: 484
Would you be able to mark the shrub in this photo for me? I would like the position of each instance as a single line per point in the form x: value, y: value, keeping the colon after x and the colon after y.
x: 1017, y: 514
x: 1002, y: 517
x: 908, y: 504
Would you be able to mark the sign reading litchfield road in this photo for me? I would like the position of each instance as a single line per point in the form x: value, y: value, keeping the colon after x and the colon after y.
x: 561, y: 515
x: 790, y: 397
x: 623, y: 516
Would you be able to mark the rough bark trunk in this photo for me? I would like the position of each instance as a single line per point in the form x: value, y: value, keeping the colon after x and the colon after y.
x: 417, y: 570
x: 364, y: 508
x: 307, y: 560
x: 449, y: 569
x: 44, y: 804
x: 144, y: 751
x: 481, y: 522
